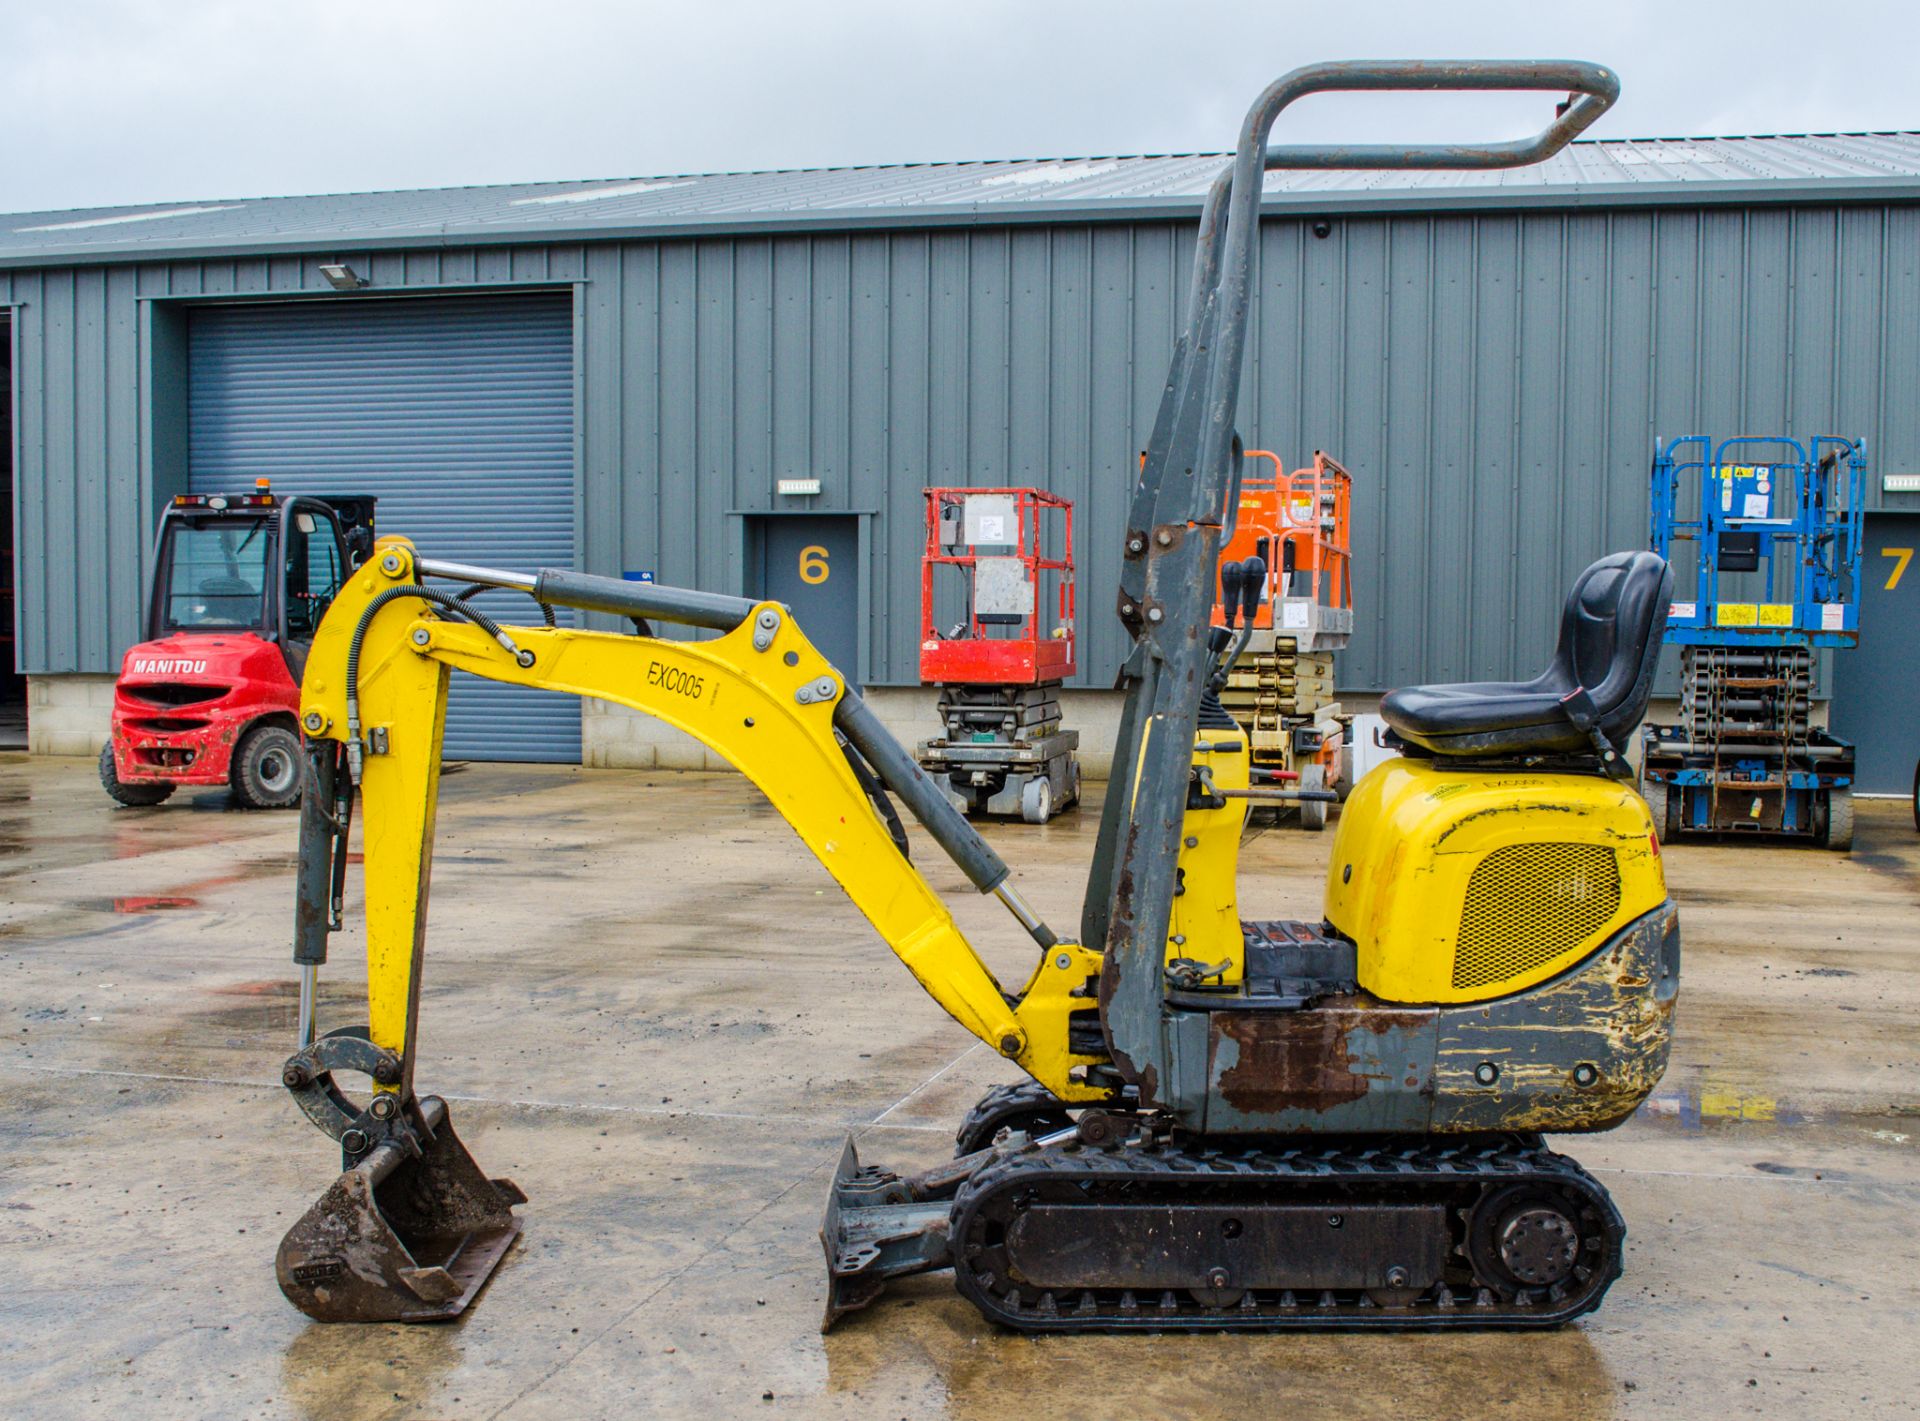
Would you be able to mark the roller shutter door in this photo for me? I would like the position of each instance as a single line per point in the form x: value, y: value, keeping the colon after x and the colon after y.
x: 456, y: 412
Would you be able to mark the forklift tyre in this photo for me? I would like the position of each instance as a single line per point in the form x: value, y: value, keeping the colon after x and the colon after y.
x: 1313, y: 812
x: 266, y: 768
x: 133, y: 796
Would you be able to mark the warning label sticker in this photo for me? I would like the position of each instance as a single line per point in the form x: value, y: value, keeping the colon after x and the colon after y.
x: 1738, y: 614
x: 1833, y: 616
x: 1776, y: 614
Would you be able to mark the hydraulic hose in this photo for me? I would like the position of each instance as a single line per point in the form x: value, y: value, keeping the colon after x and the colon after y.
x: 445, y: 600
x: 1223, y: 667
x: 474, y: 589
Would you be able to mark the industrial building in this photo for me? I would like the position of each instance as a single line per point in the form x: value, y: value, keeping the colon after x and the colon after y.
x: 689, y: 378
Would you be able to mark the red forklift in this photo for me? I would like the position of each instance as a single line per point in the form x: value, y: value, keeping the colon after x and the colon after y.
x: 212, y: 696
x: 996, y: 636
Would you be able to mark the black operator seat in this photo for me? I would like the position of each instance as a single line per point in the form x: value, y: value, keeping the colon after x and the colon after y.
x: 1600, y: 678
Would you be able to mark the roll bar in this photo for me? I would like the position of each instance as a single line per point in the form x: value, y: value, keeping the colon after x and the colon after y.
x: 1182, y: 502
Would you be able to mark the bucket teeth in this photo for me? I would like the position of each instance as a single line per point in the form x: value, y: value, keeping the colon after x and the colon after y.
x: 408, y: 1234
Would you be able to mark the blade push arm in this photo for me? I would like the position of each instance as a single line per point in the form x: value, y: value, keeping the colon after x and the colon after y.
x: 760, y: 695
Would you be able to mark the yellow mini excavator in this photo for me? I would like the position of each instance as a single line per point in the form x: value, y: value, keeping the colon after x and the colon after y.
x: 1332, y: 1122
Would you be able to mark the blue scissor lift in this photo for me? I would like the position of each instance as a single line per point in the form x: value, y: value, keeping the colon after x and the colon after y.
x: 1775, y: 527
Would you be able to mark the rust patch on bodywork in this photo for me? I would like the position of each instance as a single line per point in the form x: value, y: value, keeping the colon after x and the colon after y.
x: 1309, y: 1060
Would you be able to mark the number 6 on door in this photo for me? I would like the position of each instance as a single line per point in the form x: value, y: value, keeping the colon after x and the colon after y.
x: 813, y: 565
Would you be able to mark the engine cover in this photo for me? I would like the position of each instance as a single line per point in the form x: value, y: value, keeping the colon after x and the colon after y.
x: 1468, y: 885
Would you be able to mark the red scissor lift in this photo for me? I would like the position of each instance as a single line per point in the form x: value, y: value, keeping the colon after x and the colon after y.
x: 998, y: 645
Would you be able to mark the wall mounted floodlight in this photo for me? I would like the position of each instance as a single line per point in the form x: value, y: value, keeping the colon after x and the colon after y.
x: 342, y: 277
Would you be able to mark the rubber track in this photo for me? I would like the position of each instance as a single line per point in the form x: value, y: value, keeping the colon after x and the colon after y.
x: 1004, y: 1102
x: 1460, y: 1173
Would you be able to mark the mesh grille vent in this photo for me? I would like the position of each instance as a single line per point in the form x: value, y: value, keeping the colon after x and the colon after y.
x: 1529, y: 903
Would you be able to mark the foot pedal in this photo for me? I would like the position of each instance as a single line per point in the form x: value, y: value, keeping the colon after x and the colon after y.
x: 409, y: 1234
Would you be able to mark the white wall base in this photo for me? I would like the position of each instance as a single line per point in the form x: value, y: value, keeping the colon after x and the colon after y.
x: 68, y: 714
x: 613, y: 736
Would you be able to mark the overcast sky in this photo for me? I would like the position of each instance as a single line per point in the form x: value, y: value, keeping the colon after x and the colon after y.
x: 128, y: 101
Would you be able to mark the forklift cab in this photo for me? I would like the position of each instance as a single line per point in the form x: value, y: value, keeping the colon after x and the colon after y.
x: 255, y: 563
x: 211, y: 696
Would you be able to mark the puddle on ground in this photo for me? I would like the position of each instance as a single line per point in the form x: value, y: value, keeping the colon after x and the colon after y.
x: 282, y: 987
x: 136, y: 903
x: 188, y: 895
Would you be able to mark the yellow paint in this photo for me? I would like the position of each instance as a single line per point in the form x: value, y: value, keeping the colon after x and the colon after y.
x: 1410, y: 838
x: 1718, y: 1103
x: 1205, y: 923
x: 1737, y: 614
x: 813, y: 565
x: 1901, y: 557
x: 736, y: 700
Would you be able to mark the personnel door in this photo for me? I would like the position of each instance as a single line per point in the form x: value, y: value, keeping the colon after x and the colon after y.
x: 1876, y: 685
x: 810, y: 561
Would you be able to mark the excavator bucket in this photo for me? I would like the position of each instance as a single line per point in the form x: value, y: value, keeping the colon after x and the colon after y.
x: 409, y: 1234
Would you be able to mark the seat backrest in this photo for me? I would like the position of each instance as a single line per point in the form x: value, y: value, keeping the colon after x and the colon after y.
x: 1610, y: 636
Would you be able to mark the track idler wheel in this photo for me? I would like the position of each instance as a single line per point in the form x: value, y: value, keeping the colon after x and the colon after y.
x: 1532, y: 1238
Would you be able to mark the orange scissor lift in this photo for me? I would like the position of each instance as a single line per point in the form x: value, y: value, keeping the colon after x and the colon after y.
x: 1281, y: 688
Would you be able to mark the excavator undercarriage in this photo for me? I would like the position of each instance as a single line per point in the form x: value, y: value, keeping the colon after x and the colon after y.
x: 1332, y: 1122
x: 1161, y: 1236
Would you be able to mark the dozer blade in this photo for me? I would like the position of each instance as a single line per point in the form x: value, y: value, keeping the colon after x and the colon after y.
x: 409, y: 1234
x: 879, y: 1226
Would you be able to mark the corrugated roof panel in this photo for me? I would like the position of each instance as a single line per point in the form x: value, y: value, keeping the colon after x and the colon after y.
x: 1616, y: 170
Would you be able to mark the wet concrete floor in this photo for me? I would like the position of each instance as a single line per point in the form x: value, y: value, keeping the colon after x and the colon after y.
x: 650, y: 1007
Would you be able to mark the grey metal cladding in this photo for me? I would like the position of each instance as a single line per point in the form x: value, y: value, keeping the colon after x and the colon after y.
x: 1494, y: 381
